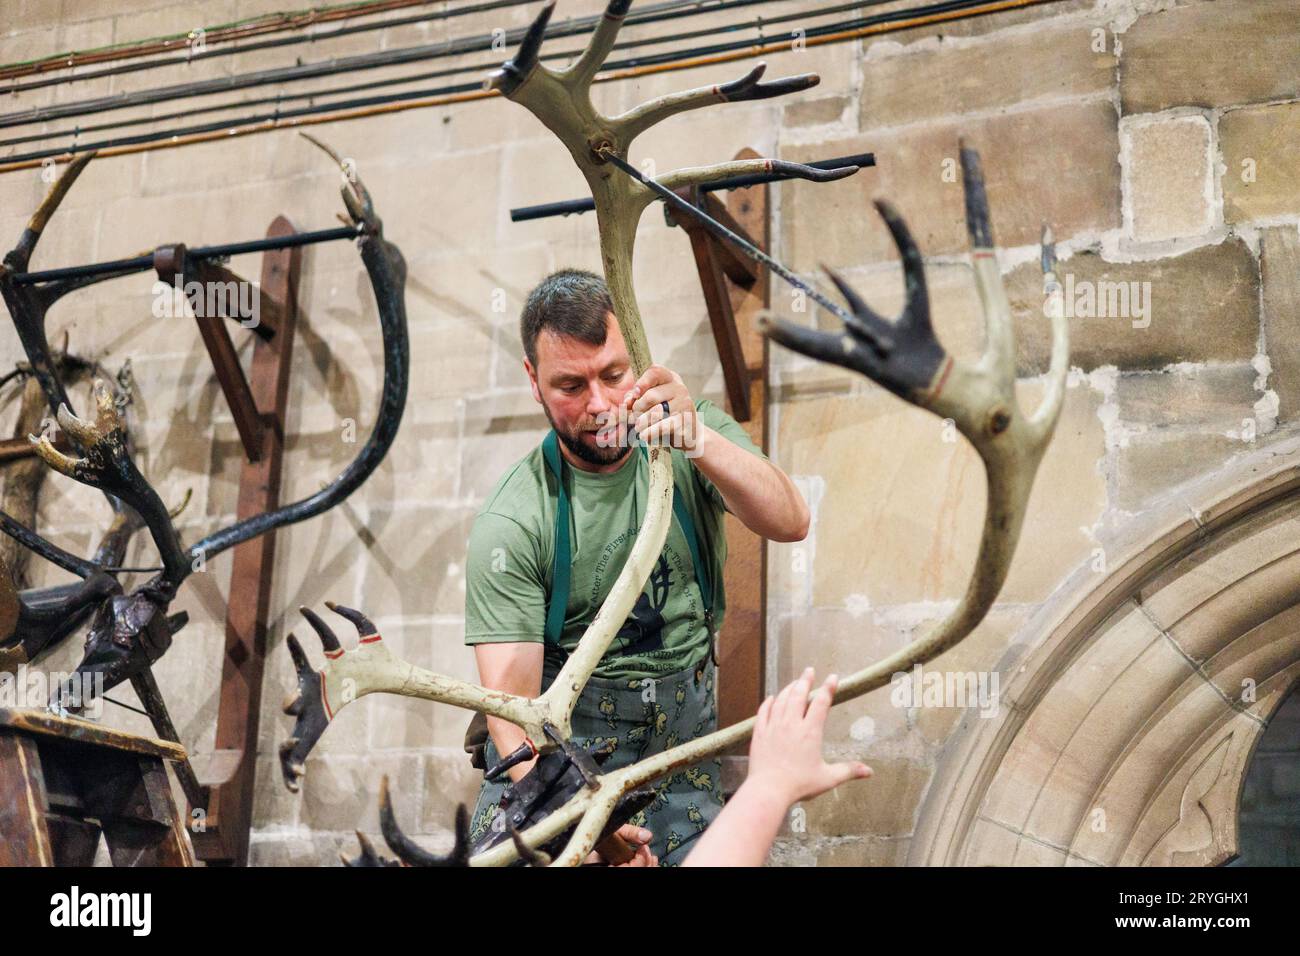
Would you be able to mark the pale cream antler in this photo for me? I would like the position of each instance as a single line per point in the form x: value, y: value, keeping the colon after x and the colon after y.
x: 562, y: 101
x: 979, y: 398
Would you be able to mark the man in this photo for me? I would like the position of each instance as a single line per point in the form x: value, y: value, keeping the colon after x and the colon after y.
x: 655, y: 686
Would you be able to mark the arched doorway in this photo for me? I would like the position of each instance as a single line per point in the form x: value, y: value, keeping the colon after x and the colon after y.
x: 1125, y: 734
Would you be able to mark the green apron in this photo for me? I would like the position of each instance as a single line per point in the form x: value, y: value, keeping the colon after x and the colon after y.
x: 641, y: 717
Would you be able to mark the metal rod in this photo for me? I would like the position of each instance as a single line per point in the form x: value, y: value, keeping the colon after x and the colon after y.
x: 332, y: 66
x: 125, y: 706
x: 144, y: 263
x: 648, y: 15
x: 228, y: 50
x: 722, y: 232
x: 578, y: 206
x: 343, y: 111
x: 218, y: 33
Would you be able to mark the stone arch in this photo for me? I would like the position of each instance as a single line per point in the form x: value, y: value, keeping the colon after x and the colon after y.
x: 1124, y: 734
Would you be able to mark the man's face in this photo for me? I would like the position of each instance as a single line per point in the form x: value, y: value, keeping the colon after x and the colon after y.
x: 581, y: 387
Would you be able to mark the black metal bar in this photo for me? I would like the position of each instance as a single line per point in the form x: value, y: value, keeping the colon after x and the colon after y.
x: 579, y: 206
x: 143, y: 263
x: 644, y: 17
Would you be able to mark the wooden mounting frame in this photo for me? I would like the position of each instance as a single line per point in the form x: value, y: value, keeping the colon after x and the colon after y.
x: 258, y: 403
x: 736, y: 289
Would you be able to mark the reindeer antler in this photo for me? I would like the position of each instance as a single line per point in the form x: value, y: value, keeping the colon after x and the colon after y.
x: 107, y: 465
x: 903, y: 355
x: 979, y: 398
x: 368, y: 668
x: 562, y: 101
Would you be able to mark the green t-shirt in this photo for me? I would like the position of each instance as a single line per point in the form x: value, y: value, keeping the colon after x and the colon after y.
x: 511, y: 557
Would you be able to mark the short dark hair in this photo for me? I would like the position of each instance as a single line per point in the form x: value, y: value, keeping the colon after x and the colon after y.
x: 571, y: 302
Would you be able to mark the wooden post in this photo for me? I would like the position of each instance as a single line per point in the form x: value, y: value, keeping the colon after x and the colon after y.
x: 735, y: 292
x: 220, y: 830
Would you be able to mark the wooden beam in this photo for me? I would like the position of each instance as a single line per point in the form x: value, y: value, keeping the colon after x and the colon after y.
x: 742, y: 648
x: 735, y: 292
x: 714, y: 261
x: 171, y: 262
x: 228, y: 815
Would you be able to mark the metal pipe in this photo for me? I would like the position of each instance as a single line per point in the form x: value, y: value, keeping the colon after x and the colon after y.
x: 250, y: 26
x: 171, y: 140
x: 332, y: 67
x: 191, y: 57
x: 671, y: 11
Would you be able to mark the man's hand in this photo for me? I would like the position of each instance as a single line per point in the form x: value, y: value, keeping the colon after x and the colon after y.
x: 785, y: 754
x: 680, y: 427
x: 638, y: 838
x: 757, y: 492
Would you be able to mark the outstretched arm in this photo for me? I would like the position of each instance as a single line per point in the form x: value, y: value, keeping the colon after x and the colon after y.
x: 785, y: 766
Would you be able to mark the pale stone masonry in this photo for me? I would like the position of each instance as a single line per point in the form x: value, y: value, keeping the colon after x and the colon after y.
x: 1159, y: 138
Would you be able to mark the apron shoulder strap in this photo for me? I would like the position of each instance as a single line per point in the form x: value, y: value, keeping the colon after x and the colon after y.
x: 559, y: 597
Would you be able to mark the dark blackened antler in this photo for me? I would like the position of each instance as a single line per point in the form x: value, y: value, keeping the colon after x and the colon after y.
x: 130, y: 631
x: 408, y: 851
x: 107, y: 465
x: 387, y: 271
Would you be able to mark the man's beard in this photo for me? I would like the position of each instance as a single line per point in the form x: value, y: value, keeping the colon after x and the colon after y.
x: 591, y: 453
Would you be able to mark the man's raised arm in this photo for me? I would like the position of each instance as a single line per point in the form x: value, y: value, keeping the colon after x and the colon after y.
x: 756, y: 491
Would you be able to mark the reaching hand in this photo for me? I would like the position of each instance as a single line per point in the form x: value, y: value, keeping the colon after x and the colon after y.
x: 785, y: 754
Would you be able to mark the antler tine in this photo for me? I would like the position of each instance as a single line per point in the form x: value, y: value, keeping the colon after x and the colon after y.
x: 1049, y: 409
x: 328, y: 639
x: 998, y: 340
x: 602, y: 41
x: 365, y: 627
x: 513, y: 72
x: 640, y: 118
x: 63, y: 464
x: 864, y: 322
x: 307, y: 704
x: 22, y: 253
x: 526, y: 853
x: 407, y: 850
x: 369, y: 856
x: 355, y: 195
x: 916, y: 307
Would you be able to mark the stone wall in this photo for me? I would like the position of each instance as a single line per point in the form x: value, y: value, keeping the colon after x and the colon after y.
x: 1161, y: 141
